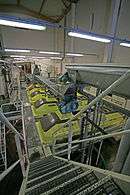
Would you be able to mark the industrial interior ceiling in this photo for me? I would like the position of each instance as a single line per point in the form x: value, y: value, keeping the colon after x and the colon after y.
x: 64, y: 129
x: 50, y: 10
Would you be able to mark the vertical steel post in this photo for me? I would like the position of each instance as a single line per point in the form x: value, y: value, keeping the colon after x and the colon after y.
x: 20, y: 155
x: 9, y: 125
x: 123, y: 151
x: 112, y: 27
x: 69, y: 139
x: 53, y: 146
x: 24, y: 134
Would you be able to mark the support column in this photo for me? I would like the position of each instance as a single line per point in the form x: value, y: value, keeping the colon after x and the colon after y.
x: 1, y: 43
x: 73, y: 19
x: 112, y: 28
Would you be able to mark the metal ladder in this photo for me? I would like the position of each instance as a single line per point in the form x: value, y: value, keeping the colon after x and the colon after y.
x: 3, y: 159
x: 55, y: 176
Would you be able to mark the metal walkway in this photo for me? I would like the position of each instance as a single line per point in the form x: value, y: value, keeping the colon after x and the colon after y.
x: 56, y: 176
x: 33, y: 141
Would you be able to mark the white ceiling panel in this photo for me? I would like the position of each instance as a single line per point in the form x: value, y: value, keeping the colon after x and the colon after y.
x: 32, y: 5
x: 53, y: 8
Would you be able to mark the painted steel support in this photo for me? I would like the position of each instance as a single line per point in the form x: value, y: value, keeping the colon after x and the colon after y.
x: 119, y: 81
x: 24, y: 133
x: 122, y: 162
x: 69, y: 140
x: 20, y: 154
x: 1, y: 43
x: 97, y: 138
x: 9, y: 125
x: 3, y: 175
x: 126, y: 167
x: 50, y: 84
x: 112, y: 28
x: 73, y: 17
x: 64, y: 46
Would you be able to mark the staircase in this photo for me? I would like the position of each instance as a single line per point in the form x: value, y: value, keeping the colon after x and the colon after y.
x: 56, y: 176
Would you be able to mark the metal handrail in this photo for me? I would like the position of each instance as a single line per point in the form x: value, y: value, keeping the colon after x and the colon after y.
x: 45, y: 82
x: 9, y: 125
x: 6, y: 172
x: 98, y: 98
x: 96, y: 138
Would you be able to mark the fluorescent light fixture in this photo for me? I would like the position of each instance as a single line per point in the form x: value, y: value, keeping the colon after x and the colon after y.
x: 19, y: 61
x: 19, y: 58
x: 21, y: 25
x: 38, y: 57
x: 74, y: 54
x: 55, y: 58
x: 14, y: 56
x: 50, y: 52
x: 18, y: 50
x: 125, y: 44
x: 89, y: 37
x: 33, y: 57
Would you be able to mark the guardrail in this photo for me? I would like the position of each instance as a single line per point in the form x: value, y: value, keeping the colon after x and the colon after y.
x: 19, y: 137
x: 68, y: 124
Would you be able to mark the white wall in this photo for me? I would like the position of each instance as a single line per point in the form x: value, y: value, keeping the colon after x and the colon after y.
x: 40, y: 40
x: 102, y: 11
x: 91, y: 15
x: 85, y: 11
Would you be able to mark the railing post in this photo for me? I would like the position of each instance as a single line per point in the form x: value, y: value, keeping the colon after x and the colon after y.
x: 9, y: 125
x: 20, y: 155
x: 53, y: 146
x: 69, y: 139
x: 24, y: 134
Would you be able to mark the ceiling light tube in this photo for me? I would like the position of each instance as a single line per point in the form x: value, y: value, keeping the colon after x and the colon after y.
x: 38, y: 57
x: 14, y: 56
x: 74, y: 54
x: 125, y: 44
x: 89, y: 37
x: 55, y: 58
x: 18, y: 58
x: 21, y: 25
x: 50, y: 52
x: 18, y: 50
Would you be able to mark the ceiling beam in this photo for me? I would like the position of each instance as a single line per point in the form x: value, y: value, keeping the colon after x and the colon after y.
x: 23, y: 10
x: 18, y: 2
x: 64, y: 3
x: 43, y: 2
x: 65, y: 12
